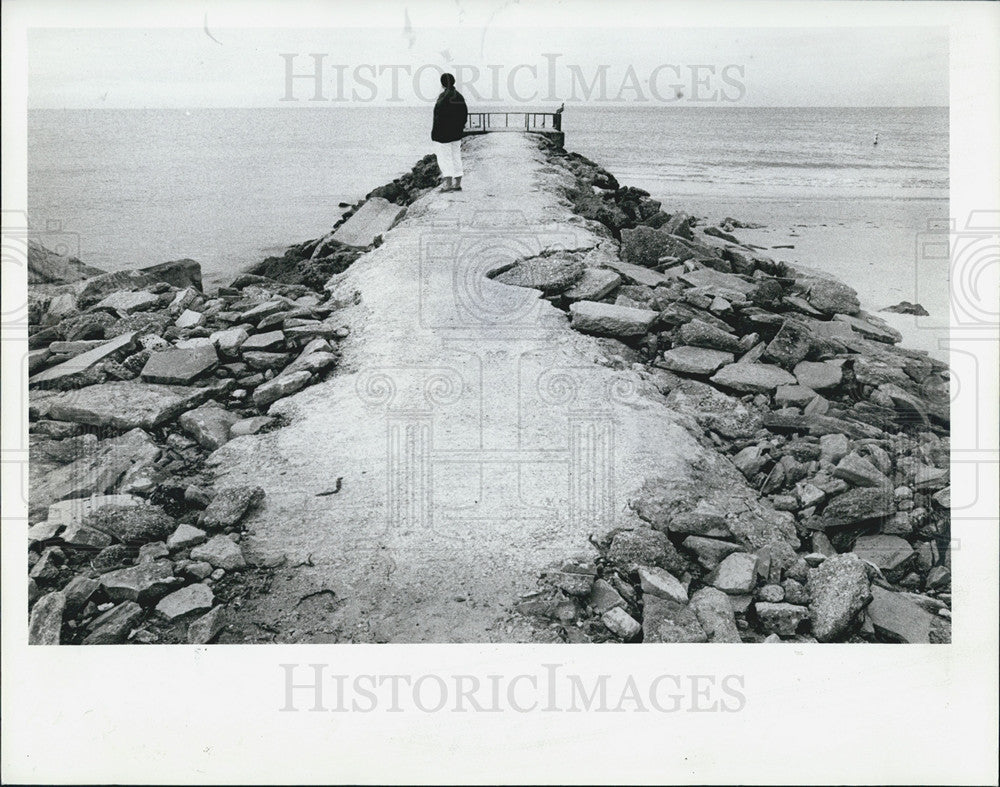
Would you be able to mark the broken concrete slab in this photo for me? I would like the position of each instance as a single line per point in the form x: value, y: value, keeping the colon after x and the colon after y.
x: 125, y: 405
x: 376, y: 217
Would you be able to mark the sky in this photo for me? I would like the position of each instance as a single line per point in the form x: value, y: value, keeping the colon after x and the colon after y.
x: 499, y: 64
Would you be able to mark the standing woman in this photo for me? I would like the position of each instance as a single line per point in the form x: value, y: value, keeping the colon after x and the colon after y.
x: 450, y: 113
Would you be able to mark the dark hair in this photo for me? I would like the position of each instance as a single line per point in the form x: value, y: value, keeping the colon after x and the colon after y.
x: 448, y: 80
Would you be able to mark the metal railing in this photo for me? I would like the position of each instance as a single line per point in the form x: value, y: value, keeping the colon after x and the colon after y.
x: 482, y: 122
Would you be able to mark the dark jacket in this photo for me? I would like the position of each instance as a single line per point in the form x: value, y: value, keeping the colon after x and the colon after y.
x: 450, y: 114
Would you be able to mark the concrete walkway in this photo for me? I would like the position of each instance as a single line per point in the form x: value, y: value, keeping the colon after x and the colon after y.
x: 475, y: 436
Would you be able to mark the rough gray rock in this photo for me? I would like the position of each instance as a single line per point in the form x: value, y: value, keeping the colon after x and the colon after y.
x: 605, y: 319
x: 131, y: 524
x: 186, y: 536
x: 858, y: 505
x: 221, y: 551
x: 735, y: 575
x: 230, y: 505
x: 658, y: 582
x: 898, y: 618
x: 281, y: 386
x: 144, y: 583
x: 838, y: 590
x: 700, y: 334
x: 113, y: 627
x: 45, y: 621
x: 126, y: 404
x: 207, y: 627
x: 94, y: 474
x: 694, y: 360
x: 664, y: 620
x: 859, y: 471
x: 209, y: 424
x: 551, y: 274
x: 621, y: 624
x: 780, y: 618
x: 819, y: 376
x: 644, y: 546
x: 831, y: 297
x: 180, y: 366
x: 593, y: 285
x: 83, y: 361
x: 752, y: 377
x: 186, y: 601
x: 376, y: 217
x: 715, y: 614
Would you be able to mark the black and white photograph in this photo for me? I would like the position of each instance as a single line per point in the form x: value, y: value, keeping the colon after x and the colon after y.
x: 360, y: 358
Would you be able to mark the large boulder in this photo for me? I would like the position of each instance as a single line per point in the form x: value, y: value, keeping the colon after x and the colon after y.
x: 858, y: 505
x: 831, y: 297
x: 45, y: 622
x: 646, y: 246
x: 605, y: 319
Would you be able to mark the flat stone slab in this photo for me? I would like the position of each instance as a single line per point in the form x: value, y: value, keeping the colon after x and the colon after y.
x: 605, y: 319
x: 871, y: 328
x: 94, y: 473
x: 375, y: 217
x: 818, y: 375
x: 638, y: 274
x: 593, y: 285
x: 141, y: 583
x: 186, y: 601
x: 125, y: 405
x: 85, y: 360
x: 900, y: 619
x: 268, y: 341
x: 180, y: 366
x: 551, y: 275
x: 694, y: 360
x: 717, y: 281
x: 129, y: 302
x: 752, y: 377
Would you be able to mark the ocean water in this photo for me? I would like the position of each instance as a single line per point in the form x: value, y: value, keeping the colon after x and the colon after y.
x: 227, y: 187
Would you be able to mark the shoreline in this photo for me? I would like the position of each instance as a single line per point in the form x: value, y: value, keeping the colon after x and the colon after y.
x: 231, y: 392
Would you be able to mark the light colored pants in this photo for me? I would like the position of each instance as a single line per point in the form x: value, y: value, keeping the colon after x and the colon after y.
x: 449, y: 157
